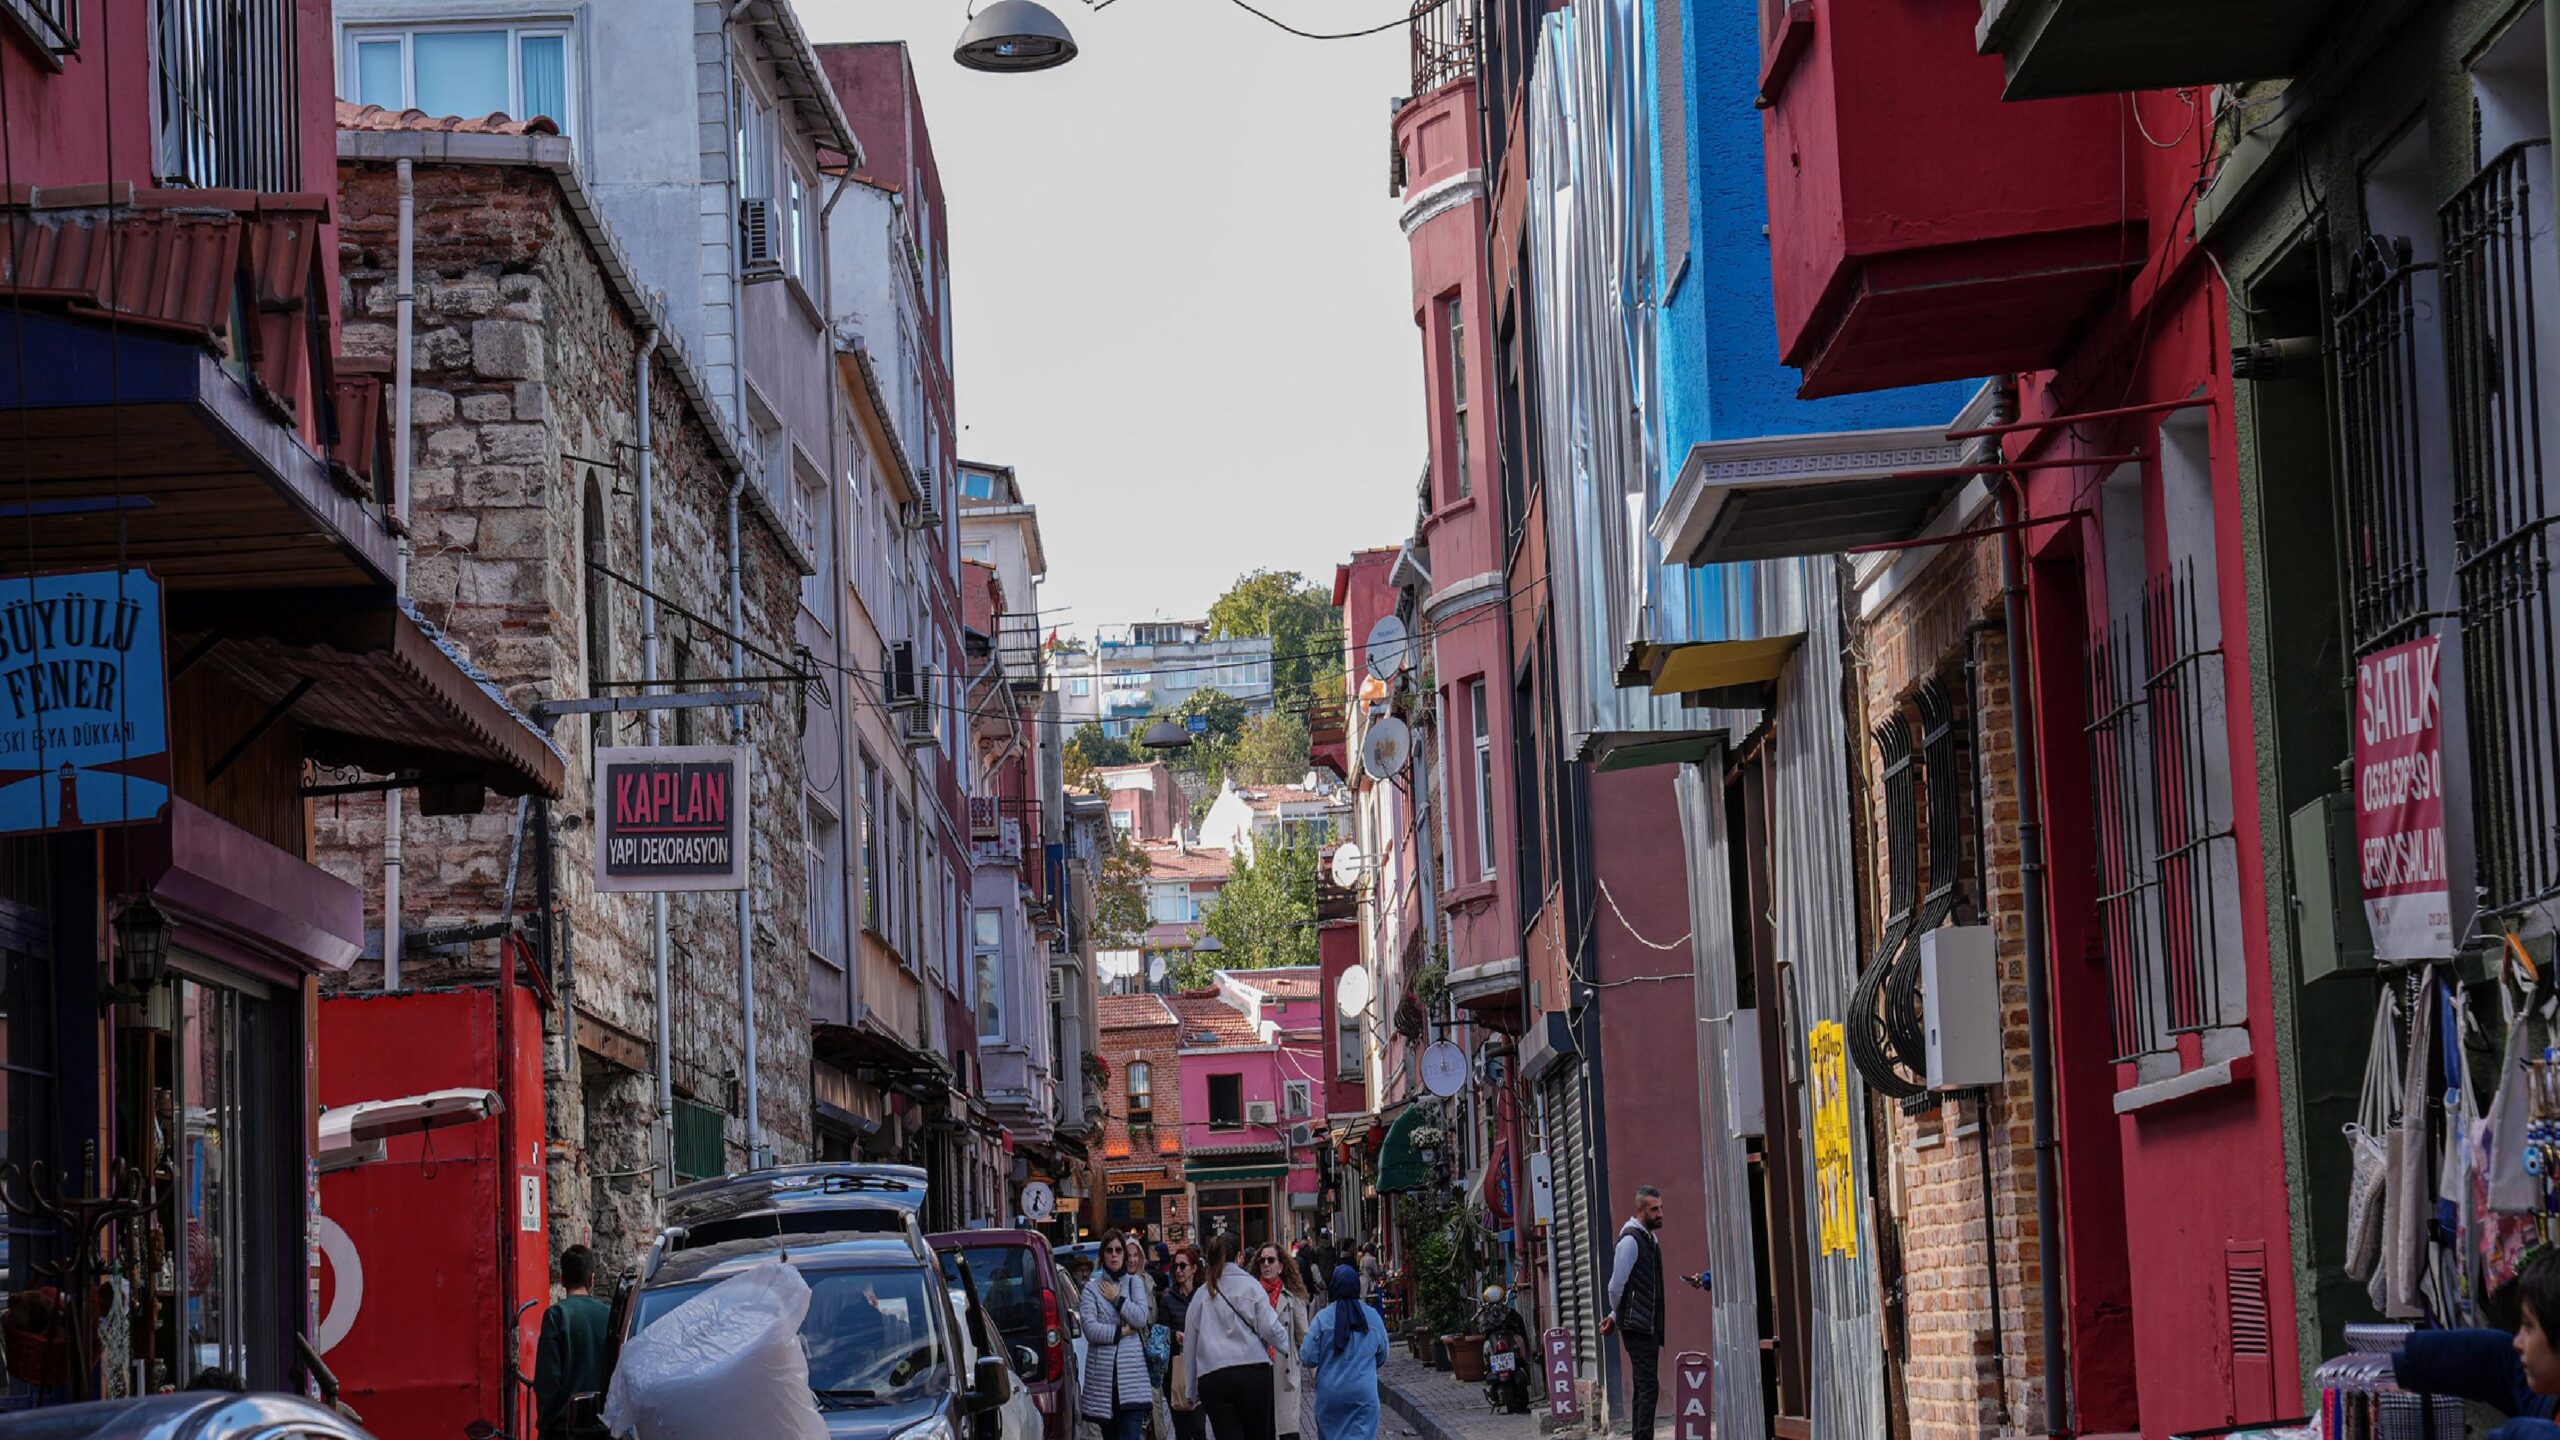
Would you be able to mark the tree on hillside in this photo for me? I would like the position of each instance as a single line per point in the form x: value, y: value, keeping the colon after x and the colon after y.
x: 1091, y: 746
x: 1272, y: 750
x: 1266, y: 914
x: 1120, y: 900
x: 1305, y: 630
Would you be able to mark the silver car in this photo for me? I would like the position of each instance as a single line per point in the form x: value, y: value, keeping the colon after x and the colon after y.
x: 190, y: 1415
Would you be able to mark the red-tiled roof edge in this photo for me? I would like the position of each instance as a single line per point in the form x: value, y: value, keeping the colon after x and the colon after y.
x: 375, y: 117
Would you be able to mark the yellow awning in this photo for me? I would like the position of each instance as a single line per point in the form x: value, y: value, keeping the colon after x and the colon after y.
x: 1719, y: 664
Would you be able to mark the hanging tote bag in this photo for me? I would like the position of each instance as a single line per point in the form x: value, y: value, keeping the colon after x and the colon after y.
x: 2409, y: 1186
x: 2374, y: 1109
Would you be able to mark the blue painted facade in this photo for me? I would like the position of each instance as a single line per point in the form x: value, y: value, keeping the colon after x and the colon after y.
x: 1716, y: 329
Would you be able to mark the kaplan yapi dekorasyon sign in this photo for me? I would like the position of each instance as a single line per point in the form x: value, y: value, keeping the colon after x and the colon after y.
x: 671, y: 817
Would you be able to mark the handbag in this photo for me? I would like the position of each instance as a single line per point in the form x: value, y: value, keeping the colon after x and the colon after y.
x: 1177, y: 1387
x: 2408, y: 1188
x: 2374, y: 1108
x: 1159, y: 1344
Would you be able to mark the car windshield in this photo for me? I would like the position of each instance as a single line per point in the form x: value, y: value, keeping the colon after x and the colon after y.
x: 871, y: 1335
x: 1009, y: 1283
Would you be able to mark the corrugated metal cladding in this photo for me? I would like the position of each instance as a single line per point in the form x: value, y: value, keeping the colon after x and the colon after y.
x: 1724, y: 1196
x: 1817, y: 938
x: 1593, y: 269
x: 1563, y: 1102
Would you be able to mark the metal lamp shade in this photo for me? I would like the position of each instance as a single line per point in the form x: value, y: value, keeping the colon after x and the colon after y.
x: 1165, y: 734
x: 142, y: 944
x: 1013, y: 36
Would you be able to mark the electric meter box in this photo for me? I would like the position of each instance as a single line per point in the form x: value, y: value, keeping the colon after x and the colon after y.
x: 1960, y: 1006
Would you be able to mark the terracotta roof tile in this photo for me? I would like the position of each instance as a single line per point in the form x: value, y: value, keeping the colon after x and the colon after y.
x: 1122, y: 1012
x: 1168, y: 862
x: 1209, y: 1022
x: 1295, y: 982
x: 374, y: 117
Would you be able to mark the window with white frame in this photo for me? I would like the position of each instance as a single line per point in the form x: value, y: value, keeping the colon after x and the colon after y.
x: 1350, y: 1055
x: 801, y: 253
x: 1481, y: 717
x: 987, y: 956
x: 755, y: 143
x: 826, y: 884
x: 1172, y: 905
x: 469, y: 70
x: 1461, y: 484
x: 809, y: 522
x: 1297, y: 1099
x: 868, y: 787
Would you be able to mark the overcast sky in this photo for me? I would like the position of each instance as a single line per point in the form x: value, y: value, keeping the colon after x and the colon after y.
x: 1182, y: 299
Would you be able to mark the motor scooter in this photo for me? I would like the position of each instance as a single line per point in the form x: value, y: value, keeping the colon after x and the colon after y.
x: 1506, y: 1354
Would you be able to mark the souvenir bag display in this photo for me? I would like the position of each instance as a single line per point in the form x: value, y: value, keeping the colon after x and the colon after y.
x: 2365, y: 1142
x: 2409, y: 1185
x: 2358, y: 1400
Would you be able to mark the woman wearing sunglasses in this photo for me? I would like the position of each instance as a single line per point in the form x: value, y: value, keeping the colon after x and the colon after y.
x: 1115, y: 1311
x: 1291, y: 1407
x: 1173, y: 1311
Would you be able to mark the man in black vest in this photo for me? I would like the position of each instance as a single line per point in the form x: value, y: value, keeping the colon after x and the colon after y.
x: 1636, y: 1309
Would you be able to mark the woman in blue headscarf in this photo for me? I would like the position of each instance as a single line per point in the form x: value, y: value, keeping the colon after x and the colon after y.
x: 1345, y: 1345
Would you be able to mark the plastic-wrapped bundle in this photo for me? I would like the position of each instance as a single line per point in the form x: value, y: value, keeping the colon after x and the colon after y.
x: 726, y: 1362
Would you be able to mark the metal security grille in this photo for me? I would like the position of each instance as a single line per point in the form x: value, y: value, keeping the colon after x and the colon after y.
x: 2154, y: 686
x: 2381, y: 372
x: 1942, y: 762
x: 1569, y: 1156
x: 700, y: 1150
x: 1881, y: 1032
x: 2503, y: 512
x: 230, y: 106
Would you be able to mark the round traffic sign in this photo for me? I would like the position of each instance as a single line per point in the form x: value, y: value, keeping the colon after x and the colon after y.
x: 1039, y: 1202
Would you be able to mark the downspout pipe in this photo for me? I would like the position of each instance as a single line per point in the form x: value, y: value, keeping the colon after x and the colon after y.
x: 664, y: 1041
x: 746, y: 892
x: 2031, y: 868
x: 404, y: 348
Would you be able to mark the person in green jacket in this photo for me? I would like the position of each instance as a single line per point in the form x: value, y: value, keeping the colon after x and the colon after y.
x: 570, y: 1359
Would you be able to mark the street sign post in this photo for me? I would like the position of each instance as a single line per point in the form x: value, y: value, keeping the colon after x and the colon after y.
x: 1562, y: 1402
x: 1693, y: 1396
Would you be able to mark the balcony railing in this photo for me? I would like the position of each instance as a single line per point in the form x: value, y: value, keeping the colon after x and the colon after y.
x: 229, y: 77
x: 2382, y: 374
x: 2497, y: 271
x: 1444, y: 43
x: 2162, y: 807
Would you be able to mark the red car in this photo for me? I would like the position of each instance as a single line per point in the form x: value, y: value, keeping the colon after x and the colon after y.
x: 1018, y: 1281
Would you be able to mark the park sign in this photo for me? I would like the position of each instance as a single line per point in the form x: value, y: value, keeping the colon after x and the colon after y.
x: 671, y: 817
x: 84, y: 712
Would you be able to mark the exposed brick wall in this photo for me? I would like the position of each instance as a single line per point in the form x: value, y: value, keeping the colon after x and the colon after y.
x: 1962, y: 1375
x: 1128, y: 1158
x: 524, y: 397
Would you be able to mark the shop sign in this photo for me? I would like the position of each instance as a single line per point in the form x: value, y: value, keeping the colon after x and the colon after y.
x: 84, y: 714
x: 1562, y: 1403
x: 1835, y: 1188
x: 671, y: 817
x: 1693, y: 1396
x: 2400, y: 801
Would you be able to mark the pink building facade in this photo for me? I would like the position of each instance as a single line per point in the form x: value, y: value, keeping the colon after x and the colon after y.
x: 1253, y: 1105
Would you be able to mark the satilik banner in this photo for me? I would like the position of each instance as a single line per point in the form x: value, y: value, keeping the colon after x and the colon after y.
x: 671, y: 817
x: 2399, y: 758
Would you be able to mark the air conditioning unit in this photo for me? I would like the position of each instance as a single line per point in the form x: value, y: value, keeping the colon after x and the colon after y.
x: 918, y: 733
x: 1057, y: 984
x: 759, y: 241
x: 1301, y: 1135
x: 1260, y: 1112
x: 928, y: 501
x: 1960, y: 1007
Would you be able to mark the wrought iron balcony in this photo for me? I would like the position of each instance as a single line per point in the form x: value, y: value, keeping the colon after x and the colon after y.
x: 2099, y: 47
x: 1444, y: 43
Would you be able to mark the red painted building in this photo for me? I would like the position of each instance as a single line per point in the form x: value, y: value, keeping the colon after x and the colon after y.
x: 1925, y: 229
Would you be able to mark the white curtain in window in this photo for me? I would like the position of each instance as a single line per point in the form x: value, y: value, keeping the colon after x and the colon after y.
x: 546, y: 78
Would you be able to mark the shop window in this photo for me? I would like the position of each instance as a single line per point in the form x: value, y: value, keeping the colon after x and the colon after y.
x: 1226, y: 1102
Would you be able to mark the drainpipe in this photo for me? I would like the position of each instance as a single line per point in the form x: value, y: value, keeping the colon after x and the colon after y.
x: 394, y: 808
x: 2551, y: 62
x: 657, y: 723
x: 746, y: 892
x: 2049, y: 1258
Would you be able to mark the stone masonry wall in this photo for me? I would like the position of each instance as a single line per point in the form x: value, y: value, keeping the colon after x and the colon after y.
x: 1962, y: 1375
x: 524, y: 402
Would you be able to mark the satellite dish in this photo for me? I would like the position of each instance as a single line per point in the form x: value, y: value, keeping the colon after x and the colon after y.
x: 1388, y: 749
x: 1155, y: 969
x: 1444, y: 1068
x: 1351, y: 992
x: 1347, y: 861
x: 1390, y: 648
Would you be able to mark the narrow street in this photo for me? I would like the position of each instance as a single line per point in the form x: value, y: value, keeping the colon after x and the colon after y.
x: 950, y: 719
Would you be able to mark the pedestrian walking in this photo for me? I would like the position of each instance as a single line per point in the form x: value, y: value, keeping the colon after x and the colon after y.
x: 1370, y: 1276
x: 1233, y: 1331
x: 1345, y: 1345
x: 568, y: 1360
x: 1173, y: 1311
x: 1292, y: 1401
x: 1636, y: 1306
x: 1114, y: 1313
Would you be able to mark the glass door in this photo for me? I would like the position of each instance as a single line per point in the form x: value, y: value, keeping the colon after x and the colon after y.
x: 226, y: 1197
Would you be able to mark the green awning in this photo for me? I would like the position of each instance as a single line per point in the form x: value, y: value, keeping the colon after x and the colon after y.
x: 1400, y: 1163
x: 1199, y: 1175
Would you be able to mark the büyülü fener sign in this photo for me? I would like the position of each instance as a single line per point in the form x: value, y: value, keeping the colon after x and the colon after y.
x: 671, y: 817
x: 84, y: 714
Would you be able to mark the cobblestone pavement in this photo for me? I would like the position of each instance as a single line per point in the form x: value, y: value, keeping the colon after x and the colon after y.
x: 1429, y: 1403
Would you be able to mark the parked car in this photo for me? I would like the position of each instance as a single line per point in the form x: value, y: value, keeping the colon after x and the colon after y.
x: 895, y: 1347
x: 1018, y: 1282
x: 189, y: 1415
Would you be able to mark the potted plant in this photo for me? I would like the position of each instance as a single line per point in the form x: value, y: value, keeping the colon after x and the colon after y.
x: 1466, y: 1357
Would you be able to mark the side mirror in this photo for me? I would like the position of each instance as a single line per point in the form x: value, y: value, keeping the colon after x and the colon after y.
x: 994, y: 1383
x: 1026, y: 1361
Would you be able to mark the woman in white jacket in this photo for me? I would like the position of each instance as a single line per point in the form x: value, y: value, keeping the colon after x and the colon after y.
x: 1114, y: 1312
x: 1230, y: 1337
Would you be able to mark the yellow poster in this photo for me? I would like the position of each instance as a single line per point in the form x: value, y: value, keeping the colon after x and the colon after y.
x: 1835, y: 1187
